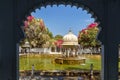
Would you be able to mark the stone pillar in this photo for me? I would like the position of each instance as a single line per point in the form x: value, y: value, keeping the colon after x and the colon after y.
x: 8, y: 47
x: 109, y: 37
x: 55, y: 49
x: 109, y: 61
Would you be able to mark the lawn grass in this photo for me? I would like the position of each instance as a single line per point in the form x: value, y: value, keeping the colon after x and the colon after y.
x: 46, y: 62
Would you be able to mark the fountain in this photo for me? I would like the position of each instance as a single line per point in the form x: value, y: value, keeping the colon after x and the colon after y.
x: 70, y: 48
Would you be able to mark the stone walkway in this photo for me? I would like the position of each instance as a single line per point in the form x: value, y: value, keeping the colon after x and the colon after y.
x: 51, y: 78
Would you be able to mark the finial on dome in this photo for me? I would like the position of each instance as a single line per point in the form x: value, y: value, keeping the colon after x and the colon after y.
x: 70, y: 30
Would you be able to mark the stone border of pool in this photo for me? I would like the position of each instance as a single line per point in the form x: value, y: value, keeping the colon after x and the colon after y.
x: 65, y: 73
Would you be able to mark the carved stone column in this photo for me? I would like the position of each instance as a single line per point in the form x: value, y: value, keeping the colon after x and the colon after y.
x: 110, y: 39
x: 109, y: 61
x: 8, y: 47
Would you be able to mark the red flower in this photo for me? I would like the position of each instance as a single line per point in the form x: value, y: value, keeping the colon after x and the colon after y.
x: 25, y: 24
x: 58, y: 43
x: 92, y: 25
x: 84, y: 31
x: 30, y: 18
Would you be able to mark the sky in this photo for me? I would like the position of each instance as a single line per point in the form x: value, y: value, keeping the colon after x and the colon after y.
x: 60, y: 19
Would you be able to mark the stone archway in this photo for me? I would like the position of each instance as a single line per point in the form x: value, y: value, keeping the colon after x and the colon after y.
x: 13, y: 13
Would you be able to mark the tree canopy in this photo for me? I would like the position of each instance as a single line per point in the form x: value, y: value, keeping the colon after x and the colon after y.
x: 37, y: 34
x: 87, y: 36
x: 58, y: 37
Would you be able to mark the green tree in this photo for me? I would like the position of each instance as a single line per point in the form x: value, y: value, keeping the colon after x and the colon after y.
x: 87, y: 37
x: 37, y: 34
x: 49, y: 33
x: 58, y: 37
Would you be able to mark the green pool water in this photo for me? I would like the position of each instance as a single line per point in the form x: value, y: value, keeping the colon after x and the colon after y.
x: 46, y: 62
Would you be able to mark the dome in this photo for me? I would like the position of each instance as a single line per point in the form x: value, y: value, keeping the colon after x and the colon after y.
x: 70, y: 39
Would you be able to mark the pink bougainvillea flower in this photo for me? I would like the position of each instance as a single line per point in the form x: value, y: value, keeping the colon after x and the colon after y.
x: 30, y: 18
x: 26, y: 24
x: 84, y: 31
x: 92, y: 25
x: 58, y: 43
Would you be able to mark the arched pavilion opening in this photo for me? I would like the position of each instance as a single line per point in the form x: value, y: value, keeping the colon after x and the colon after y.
x: 18, y: 10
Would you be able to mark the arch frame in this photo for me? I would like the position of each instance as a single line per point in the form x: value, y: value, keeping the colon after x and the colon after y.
x: 14, y: 13
x: 30, y: 6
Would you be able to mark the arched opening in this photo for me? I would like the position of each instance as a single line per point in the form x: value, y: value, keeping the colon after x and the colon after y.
x: 14, y: 13
x: 29, y: 55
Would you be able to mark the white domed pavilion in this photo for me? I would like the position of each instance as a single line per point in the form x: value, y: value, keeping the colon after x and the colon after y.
x: 70, y: 39
x: 70, y: 50
x: 70, y: 44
